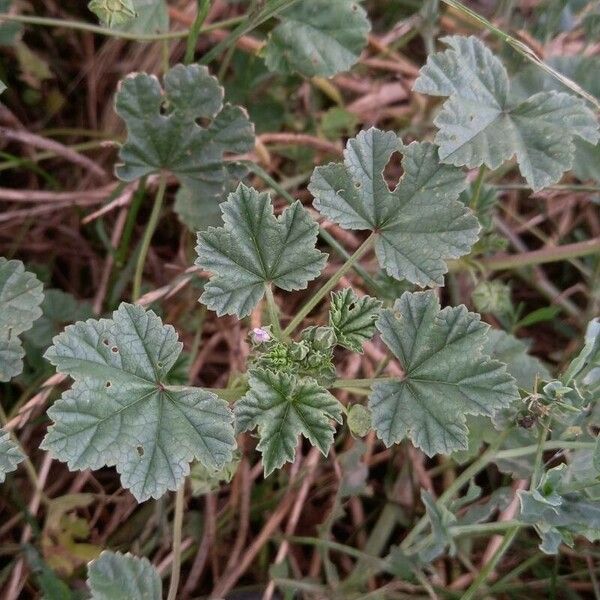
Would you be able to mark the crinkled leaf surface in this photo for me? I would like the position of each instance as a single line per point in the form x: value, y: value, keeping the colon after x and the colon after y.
x: 418, y: 225
x: 253, y: 249
x: 353, y: 318
x: 121, y: 412
x: 10, y: 455
x: 113, y: 12
x: 283, y: 407
x: 174, y: 141
x: 21, y: 294
x: 479, y: 125
x: 447, y: 376
x: 116, y: 576
x: 320, y: 37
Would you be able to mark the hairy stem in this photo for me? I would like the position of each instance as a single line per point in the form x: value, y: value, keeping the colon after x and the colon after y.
x: 148, y: 233
x: 330, y: 285
x: 177, y: 529
x: 273, y: 311
x: 194, y: 33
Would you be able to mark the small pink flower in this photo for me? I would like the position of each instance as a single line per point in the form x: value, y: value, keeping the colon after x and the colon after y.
x: 260, y: 335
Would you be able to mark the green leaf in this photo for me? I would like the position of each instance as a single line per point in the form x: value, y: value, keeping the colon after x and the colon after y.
x: 359, y: 420
x: 447, y: 376
x: 283, y: 407
x: 113, y: 13
x: 116, y: 576
x: 418, y: 225
x: 120, y: 410
x: 9, y: 30
x: 175, y: 141
x: 204, y: 480
x: 492, y: 297
x: 320, y: 37
x: 254, y: 249
x: 353, y: 318
x: 441, y: 519
x: 480, y: 125
x: 514, y: 353
x: 152, y: 17
x: 10, y: 454
x: 21, y: 294
x: 2, y: 86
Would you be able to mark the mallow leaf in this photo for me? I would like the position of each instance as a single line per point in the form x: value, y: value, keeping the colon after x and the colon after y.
x: 175, y: 141
x: 353, y: 318
x: 480, y: 125
x: 113, y: 12
x: 418, y: 225
x: 255, y: 249
x: 320, y: 37
x: 21, y: 294
x: 447, y: 376
x: 151, y: 17
x: 2, y: 86
x: 116, y: 576
x: 284, y: 406
x: 121, y: 411
x: 10, y: 454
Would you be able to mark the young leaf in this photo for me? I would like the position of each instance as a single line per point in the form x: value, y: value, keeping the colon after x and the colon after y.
x: 21, y: 294
x: 283, y: 407
x: 441, y: 520
x: 10, y: 455
x: 116, y: 576
x: 120, y: 410
x: 447, y: 375
x: 479, y: 125
x: 418, y: 225
x: 353, y: 318
x: 175, y: 141
x: 113, y: 12
x: 318, y: 38
x: 254, y: 249
x: 152, y: 17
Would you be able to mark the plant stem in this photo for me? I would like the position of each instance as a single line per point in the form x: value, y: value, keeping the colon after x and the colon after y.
x: 177, y: 529
x: 273, y: 311
x: 194, y: 33
x: 333, y: 281
x: 491, y: 564
x: 551, y: 445
x: 474, y: 204
x: 150, y: 228
x: 134, y: 207
x: 357, y: 383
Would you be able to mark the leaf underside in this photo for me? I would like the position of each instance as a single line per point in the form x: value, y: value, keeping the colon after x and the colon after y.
x: 479, y: 124
x: 283, y: 406
x: 318, y: 38
x: 419, y: 225
x: 446, y: 375
x: 121, y: 412
x: 116, y: 576
x: 253, y: 249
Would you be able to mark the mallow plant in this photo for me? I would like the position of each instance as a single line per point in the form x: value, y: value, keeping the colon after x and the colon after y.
x: 458, y: 384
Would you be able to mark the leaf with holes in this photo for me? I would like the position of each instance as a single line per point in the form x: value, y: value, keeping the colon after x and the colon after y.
x: 120, y: 410
x: 10, y: 454
x: 21, y: 294
x: 116, y: 576
x: 480, y: 125
x: 254, y: 249
x: 353, y: 318
x: 447, y: 376
x: 164, y: 134
x: 318, y: 38
x: 418, y: 225
x: 283, y: 407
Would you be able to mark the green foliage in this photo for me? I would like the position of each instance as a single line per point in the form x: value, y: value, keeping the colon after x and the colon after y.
x: 283, y: 406
x: 418, y: 225
x: 21, y: 294
x: 480, y: 125
x: 152, y: 16
x: 10, y: 454
x: 255, y: 249
x: 440, y: 519
x: 113, y: 12
x: 447, y: 375
x: 120, y: 410
x: 175, y: 141
x: 116, y: 576
x: 353, y: 318
x: 204, y: 480
x: 320, y: 37
x: 360, y: 420
x: 558, y: 516
x: 492, y: 297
